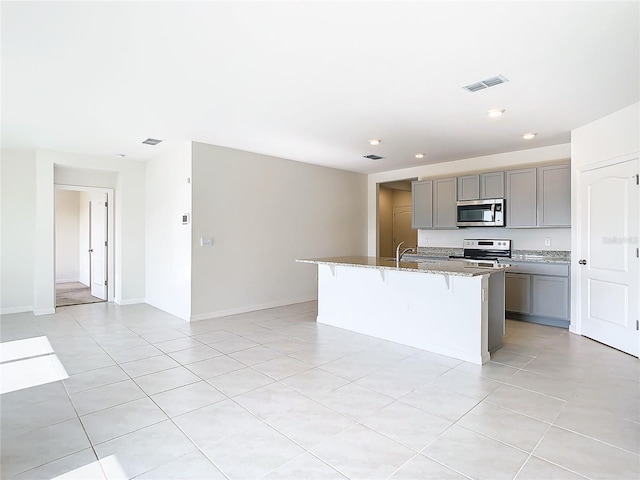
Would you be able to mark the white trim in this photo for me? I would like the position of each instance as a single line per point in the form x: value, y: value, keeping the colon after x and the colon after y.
x: 250, y: 308
x: 10, y: 310
x: 608, y: 162
x: 44, y: 311
x: 129, y: 301
x: 69, y: 280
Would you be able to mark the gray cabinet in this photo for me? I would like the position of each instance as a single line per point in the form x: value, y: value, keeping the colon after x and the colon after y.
x: 517, y: 293
x: 535, y: 197
x: 445, y: 210
x: 550, y: 296
x: 539, y: 197
x: 484, y: 185
x: 521, y: 204
x: 422, y: 204
x: 492, y: 185
x: 538, y: 293
x: 469, y: 187
x: 554, y: 196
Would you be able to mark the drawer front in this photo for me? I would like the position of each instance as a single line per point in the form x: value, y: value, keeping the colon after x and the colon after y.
x: 556, y: 270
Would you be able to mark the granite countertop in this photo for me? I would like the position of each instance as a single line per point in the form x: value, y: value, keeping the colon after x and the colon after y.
x: 444, y: 267
x: 541, y: 256
x: 531, y: 256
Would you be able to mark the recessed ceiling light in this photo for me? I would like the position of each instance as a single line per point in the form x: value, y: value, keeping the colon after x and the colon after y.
x: 529, y: 136
x: 375, y: 141
x: 495, y: 113
x: 419, y: 155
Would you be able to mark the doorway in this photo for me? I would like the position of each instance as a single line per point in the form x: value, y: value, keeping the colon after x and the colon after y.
x: 83, y: 245
x: 394, y: 217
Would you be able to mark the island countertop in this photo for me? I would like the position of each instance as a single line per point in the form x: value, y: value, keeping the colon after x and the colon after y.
x: 460, y: 269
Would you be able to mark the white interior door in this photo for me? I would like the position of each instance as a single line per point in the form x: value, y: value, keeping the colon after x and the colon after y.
x: 98, y: 245
x: 402, y: 231
x: 609, y: 263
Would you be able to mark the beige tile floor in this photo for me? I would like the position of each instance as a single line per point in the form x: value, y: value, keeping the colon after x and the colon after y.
x: 271, y: 394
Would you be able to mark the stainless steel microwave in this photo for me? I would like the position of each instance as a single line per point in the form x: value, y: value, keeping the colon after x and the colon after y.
x: 481, y: 213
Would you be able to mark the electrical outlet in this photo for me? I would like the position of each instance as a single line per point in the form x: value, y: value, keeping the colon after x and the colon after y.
x: 547, y: 241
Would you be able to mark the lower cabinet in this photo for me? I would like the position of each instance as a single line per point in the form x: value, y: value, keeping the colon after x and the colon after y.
x: 538, y: 293
x: 550, y: 296
x: 517, y: 293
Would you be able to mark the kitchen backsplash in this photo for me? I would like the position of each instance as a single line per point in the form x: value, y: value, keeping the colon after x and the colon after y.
x: 522, y: 238
x: 538, y: 256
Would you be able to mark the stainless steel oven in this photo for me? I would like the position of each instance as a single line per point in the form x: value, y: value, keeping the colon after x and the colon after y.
x: 481, y: 213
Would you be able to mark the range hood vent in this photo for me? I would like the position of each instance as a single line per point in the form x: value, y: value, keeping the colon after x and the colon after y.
x: 489, y: 82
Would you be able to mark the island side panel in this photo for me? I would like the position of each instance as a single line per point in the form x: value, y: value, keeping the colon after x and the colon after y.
x: 496, y: 310
x: 439, y: 313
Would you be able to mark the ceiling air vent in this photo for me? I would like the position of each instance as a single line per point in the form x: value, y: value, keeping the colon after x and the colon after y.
x: 373, y: 157
x: 489, y: 82
x: 152, y: 141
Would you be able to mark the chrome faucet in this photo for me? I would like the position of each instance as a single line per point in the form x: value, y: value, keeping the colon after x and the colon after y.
x: 399, y: 255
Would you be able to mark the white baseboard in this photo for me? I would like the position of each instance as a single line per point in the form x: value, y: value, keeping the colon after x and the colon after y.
x: 249, y: 308
x: 68, y: 280
x: 44, y: 311
x: 10, y: 310
x: 129, y: 301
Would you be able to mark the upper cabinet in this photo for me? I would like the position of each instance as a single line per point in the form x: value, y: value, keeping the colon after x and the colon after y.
x: 539, y: 197
x: 554, y: 196
x: 422, y: 204
x: 481, y: 186
x: 434, y: 203
x: 535, y: 197
x: 445, y: 209
x: 469, y: 187
x: 522, y: 210
x: 492, y: 185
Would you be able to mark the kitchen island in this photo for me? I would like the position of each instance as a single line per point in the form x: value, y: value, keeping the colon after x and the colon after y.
x: 446, y: 307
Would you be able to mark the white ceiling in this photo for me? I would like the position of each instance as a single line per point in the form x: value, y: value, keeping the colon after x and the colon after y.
x: 313, y: 81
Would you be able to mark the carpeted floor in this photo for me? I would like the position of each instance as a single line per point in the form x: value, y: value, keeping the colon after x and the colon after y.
x: 74, y: 293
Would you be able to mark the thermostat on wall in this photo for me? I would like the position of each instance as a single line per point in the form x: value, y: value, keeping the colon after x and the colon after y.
x: 185, y: 218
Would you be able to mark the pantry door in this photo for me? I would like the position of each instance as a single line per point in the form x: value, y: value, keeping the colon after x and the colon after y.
x: 608, y: 255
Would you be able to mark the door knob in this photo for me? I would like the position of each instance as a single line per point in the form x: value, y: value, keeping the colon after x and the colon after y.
x: 582, y: 262
x: 91, y: 250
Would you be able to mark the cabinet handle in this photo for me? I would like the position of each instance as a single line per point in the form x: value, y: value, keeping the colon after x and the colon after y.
x: 582, y: 262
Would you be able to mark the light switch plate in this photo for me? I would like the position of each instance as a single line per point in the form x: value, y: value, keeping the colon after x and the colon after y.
x: 185, y: 218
